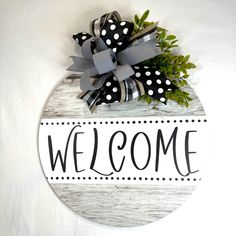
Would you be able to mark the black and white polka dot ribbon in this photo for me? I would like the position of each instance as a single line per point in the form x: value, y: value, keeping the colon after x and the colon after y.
x: 111, y: 59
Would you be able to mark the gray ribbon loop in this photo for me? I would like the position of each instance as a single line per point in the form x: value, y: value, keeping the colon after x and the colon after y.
x: 100, y: 45
x: 86, y: 49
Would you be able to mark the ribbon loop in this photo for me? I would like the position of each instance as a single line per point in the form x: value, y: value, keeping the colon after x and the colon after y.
x: 97, y: 24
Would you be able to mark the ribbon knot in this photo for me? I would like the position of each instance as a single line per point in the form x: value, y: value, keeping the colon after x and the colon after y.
x: 105, y: 61
x: 111, y: 56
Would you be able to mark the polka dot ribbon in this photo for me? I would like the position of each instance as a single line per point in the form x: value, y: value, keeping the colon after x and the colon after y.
x: 112, y: 57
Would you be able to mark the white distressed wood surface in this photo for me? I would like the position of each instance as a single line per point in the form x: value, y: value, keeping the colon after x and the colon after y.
x: 118, y: 205
x: 123, y: 205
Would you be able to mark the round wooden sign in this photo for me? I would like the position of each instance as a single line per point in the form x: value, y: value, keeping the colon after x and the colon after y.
x: 126, y: 164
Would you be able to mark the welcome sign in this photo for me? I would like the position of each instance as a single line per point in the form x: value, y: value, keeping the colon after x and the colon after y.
x: 124, y: 165
x: 123, y: 151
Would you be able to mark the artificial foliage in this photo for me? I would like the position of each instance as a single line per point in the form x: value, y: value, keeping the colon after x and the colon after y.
x: 174, y: 66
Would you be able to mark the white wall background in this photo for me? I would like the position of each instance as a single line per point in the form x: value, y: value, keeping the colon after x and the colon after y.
x: 35, y: 45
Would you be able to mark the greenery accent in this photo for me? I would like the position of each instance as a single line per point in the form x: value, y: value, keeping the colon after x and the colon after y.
x: 180, y: 96
x: 174, y: 67
x: 140, y: 23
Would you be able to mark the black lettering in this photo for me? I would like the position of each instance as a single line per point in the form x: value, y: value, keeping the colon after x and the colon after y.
x: 187, y: 152
x: 95, y: 153
x: 160, y: 141
x: 75, y: 152
x: 119, y: 147
x: 59, y: 155
x: 132, y: 150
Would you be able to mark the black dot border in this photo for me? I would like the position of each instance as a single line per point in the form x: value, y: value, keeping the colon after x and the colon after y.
x: 129, y: 122
x: 136, y: 178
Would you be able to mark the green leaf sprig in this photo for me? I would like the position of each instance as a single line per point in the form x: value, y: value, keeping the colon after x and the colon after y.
x: 175, y: 67
x: 141, y: 23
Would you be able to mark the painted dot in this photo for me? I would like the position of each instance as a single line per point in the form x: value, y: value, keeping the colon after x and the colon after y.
x: 162, y: 99
x: 138, y: 74
x: 116, y: 36
x: 119, y: 43
x: 115, y: 89
x: 108, y: 97
x: 136, y: 67
x: 160, y: 90
x: 108, y: 42
x: 158, y: 81
x: 84, y: 37
x: 149, y: 82
x: 168, y: 82
x: 157, y: 72
x: 148, y: 73
x: 150, y: 92
x: 114, y: 49
x: 110, y: 21
x: 125, y: 31
x: 114, y: 78
x: 84, y: 33
x: 146, y: 67
x: 108, y: 84
x: 122, y: 23
x: 169, y: 89
x: 104, y: 32
x: 112, y: 27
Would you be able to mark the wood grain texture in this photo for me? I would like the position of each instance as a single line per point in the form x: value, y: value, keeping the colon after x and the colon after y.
x: 118, y: 205
x: 122, y: 205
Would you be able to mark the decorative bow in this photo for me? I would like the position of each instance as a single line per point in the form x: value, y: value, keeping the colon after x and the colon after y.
x: 111, y: 60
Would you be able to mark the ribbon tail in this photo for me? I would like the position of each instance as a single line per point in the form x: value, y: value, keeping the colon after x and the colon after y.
x: 91, y: 98
x: 80, y: 64
x: 86, y: 84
